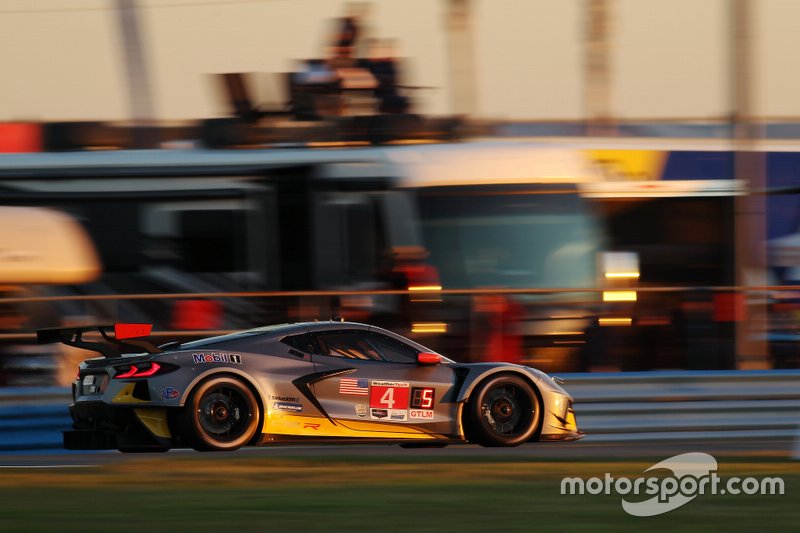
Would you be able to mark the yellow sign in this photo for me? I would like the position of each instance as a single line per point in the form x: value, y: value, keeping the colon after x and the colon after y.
x: 633, y: 165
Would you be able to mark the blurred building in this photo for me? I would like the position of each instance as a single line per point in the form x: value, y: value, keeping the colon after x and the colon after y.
x: 664, y: 59
x: 354, y: 74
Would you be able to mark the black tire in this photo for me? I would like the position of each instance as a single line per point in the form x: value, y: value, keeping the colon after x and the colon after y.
x: 504, y: 410
x: 222, y: 414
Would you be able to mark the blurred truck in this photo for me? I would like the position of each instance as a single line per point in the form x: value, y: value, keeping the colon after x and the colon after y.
x: 489, y: 218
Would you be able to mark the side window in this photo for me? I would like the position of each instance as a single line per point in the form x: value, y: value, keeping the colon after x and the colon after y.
x: 302, y: 342
x: 393, y: 350
x: 348, y: 344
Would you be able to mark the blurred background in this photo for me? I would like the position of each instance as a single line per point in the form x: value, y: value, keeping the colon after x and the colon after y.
x: 585, y: 185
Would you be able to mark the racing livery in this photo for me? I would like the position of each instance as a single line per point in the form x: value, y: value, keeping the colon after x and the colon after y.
x: 302, y: 382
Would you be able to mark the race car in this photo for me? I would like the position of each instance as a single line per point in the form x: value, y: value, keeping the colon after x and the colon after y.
x: 304, y: 382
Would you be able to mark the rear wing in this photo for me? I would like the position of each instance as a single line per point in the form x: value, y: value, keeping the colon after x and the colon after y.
x: 122, y: 341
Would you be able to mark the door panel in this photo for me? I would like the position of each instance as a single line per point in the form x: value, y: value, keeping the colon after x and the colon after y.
x: 379, y: 397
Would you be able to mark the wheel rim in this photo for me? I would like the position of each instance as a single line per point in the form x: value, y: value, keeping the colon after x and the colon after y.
x: 223, y: 414
x: 507, y: 410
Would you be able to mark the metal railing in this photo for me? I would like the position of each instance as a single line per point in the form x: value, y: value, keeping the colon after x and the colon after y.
x: 687, y: 405
x: 611, y: 407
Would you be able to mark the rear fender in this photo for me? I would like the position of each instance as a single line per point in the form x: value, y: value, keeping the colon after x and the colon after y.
x: 223, y: 371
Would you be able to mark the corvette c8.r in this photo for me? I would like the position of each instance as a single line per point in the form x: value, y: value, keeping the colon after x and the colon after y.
x: 302, y: 382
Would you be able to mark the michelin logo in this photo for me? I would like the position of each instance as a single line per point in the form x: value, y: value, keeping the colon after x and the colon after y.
x: 288, y: 406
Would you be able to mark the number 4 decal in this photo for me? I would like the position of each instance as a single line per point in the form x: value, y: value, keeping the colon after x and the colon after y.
x: 387, y: 400
x: 389, y: 394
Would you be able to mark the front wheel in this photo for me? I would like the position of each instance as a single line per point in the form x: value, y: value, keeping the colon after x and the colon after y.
x: 502, y: 411
x: 222, y: 414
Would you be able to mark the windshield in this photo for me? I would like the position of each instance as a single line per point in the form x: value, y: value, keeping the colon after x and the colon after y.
x: 509, y: 237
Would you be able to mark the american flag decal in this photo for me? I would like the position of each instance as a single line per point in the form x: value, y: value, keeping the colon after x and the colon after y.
x: 354, y: 386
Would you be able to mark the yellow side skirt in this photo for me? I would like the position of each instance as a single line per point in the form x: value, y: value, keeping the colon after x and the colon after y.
x: 317, y: 426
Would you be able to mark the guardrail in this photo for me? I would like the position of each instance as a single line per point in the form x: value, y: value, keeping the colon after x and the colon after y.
x: 621, y: 407
x: 687, y: 405
x: 32, y: 418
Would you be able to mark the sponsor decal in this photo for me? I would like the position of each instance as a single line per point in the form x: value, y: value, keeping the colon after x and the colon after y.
x: 421, y: 414
x: 287, y: 406
x: 293, y: 399
x: 422, y: 397
x: 378, y: 413
x: 361, y: 409
x: 391, y: 414
x: 354, y: 386
x: 394, y: 384
x: 217, y: 357
x: 170, y: 393
x: 309, y: 425
x: 389, y: 395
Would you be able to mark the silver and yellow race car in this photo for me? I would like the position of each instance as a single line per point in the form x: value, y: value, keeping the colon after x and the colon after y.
x: 303, y: 382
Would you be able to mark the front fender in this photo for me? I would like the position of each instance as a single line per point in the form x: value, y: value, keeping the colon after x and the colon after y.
x: 480, y: 371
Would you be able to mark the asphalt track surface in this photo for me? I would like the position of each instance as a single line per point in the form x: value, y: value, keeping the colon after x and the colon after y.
x: 577, y: 451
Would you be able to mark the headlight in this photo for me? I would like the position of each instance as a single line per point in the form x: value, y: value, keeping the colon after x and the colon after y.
x: 560, y: 406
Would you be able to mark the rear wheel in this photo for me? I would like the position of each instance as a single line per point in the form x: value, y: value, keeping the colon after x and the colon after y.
x: 502, y: 411
x: 222, y: 414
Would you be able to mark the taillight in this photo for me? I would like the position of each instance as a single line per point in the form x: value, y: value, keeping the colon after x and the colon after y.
x: 139, y: 370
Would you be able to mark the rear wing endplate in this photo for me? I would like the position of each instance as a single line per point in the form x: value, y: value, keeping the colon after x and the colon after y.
x: 126, y: 338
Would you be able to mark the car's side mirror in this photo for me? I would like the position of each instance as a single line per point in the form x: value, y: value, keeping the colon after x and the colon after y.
x: 428, y: 358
